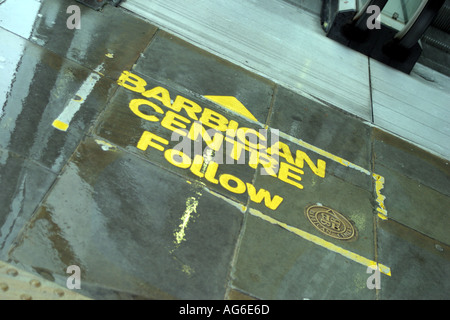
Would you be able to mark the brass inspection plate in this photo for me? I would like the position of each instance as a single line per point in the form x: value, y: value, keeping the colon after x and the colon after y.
x: 331, y: 222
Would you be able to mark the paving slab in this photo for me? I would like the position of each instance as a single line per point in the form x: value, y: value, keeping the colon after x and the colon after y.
x: 169, y: 58
x: 111, y: 39
x: 302, y: 190
x: 14, y: 18
x: 323, y: 126
x: 107, y: 215
x: 286, y: 264
x: 417, y: 186
x: 23, y: 186
x: 420, y: 264
x: 46, y: 87
x: 276, y: 264
x: 417, y: 206
x: 412, y: 162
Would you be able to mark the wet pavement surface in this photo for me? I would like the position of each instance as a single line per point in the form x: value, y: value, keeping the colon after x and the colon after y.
x: 165, y: 172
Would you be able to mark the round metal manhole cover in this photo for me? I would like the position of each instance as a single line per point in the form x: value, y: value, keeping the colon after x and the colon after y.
x: 331, y: 222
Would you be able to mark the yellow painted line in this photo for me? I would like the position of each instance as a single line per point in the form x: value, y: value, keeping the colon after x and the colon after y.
x: 305, y: 235
x: 324, y: 153
x: 379, y: 180
x: 58, y: 124
x: 235, y: 204
x: 106, y: 146
x: 379, y: 185
x: 62, y: 122
x: 323, y: 243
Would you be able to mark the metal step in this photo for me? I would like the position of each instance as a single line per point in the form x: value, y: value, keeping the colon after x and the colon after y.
x: 436, y: 42
x: 438, y: 39
x: 442, y: 21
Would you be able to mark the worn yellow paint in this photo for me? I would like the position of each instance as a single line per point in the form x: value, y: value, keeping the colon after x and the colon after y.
x: 60, y: 125
x: 188, y: 270
x: 233, y: 104
x: 191, y: 207
x: 323, y: 243
x: 63, y: 120
x: 379, y: 185
x: 106, y: 146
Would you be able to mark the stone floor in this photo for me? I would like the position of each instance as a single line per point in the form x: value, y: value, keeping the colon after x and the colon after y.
x: 165, y: 172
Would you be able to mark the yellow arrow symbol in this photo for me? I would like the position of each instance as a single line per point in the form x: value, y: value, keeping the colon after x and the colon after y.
x: 233, y: 104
